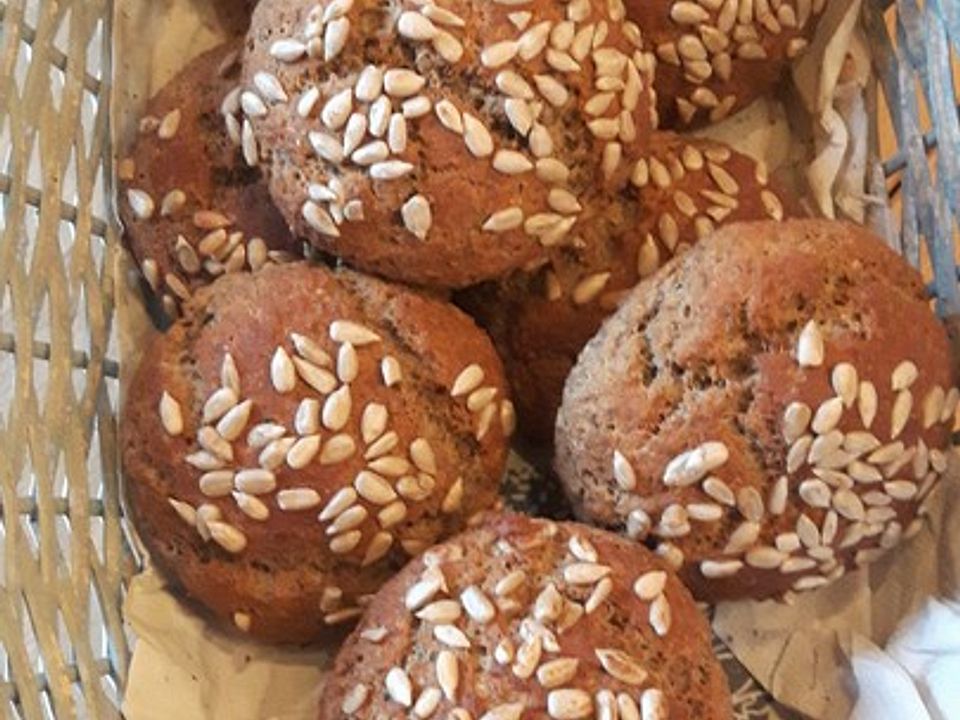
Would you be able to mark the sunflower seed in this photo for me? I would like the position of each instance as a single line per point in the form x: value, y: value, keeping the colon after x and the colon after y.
x: 369, y: 84
x: 477, y: 605
x: 203, y: 460
x: 621, y: 666
x: 720, y: 568
x: 453, y: 500
x: 750, y: 504
x: 337, y: 449
x: 845, y: 383
x: 507, y: 711
x: 336, y: 408
x: 950, y: 402
x: 867, y: 403
x: 815, y: 493
x: 500, y: 53
x: 402, y: 83
x: 569, y: 704
x: 251, y: 506
x: 353, y: 135
x: 399, y: 687
x: 141, y: 204
x: 217, y: 405
x: 863, y: 472
x: 527, y: 657
x: 233, y: 422
x: 319, y: 219
x: 303, y: 451
x: 227, y: 536
x: 849, y: 505
x: 249, y: 145
x: 392, y: 514
x: 308, y: 102
x: 933, y: 406
x: 293, y: 499
x: 808, y: 532
x: 321, y: 380
x: 742, y: 537
x: 374, y: 152
x: 765, y: 558
x: 691, y: 466
x: 384, y: 444
x: 900, y: 414
x: 390, y: 466
x: 448, y: 673
x: 660, y: 616
x: 719, y: 491
x: 810, y: 346
x: 451, y: 636
x: 171, y: 417
x: 827, y: 415
x: 511, y: 162
x: 581, y: 573
x: 903, y: 376
x: 777, y: 501
x: 335, y: 36
x: 217, y: 483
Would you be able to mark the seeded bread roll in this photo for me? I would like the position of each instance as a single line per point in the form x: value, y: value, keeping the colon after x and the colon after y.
x: 443, y: 144
x: 190, y: 207
x: 300, y: 433
x: 717, y: 56
x: 769, y: 411
x: 541, y: 321
x: 523, y: 618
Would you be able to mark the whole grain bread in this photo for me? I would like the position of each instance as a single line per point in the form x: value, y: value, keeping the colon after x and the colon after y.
x: 444, y: 145
x: 191, y: 208
x: 714, y: 58
x: 529, y: 618
x: 541, y: 320
x: 769, y: 411
x: 300, y: 433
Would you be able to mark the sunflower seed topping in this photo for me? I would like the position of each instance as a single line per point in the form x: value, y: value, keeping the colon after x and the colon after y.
x: 810, y: 346
x: 621, y: 666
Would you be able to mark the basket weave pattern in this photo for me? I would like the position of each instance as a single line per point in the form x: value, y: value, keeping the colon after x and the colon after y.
x: 64, y: 553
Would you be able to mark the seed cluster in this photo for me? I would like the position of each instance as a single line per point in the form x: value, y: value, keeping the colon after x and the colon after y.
x: 715, y: 33
x: 849, y: 487
x: 465, y: 621
x: 365, y: 124
x: 668, y: 173
x: 215, y: 246
x: 361, y: 517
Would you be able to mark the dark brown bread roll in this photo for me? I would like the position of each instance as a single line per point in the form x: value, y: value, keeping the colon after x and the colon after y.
x: 191, y: 209
x: 300, y: 433
x: 444, y: 144
x: 769, y: 411
x: 540, y: 321
x: 717, y: 56
x: 524, y: 618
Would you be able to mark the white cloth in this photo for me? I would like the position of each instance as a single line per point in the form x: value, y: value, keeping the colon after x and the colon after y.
x: 917, y: 676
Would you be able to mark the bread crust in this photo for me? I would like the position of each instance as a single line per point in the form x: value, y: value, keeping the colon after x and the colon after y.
x: 500, y: 668
x: 709, y: 352
x: 506, y: 133
x: 427, y: 460
x: 540, y: 321
x: 197, y: 188
x: 713, y: 62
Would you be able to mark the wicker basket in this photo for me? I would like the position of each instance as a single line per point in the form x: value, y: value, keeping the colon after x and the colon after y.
x: 64, y: 551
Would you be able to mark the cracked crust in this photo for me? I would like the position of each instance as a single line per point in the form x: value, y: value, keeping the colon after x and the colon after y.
x: 287, y: 580
x: 463, y: 191
x: 705, y: 352
x: 679, y: 663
